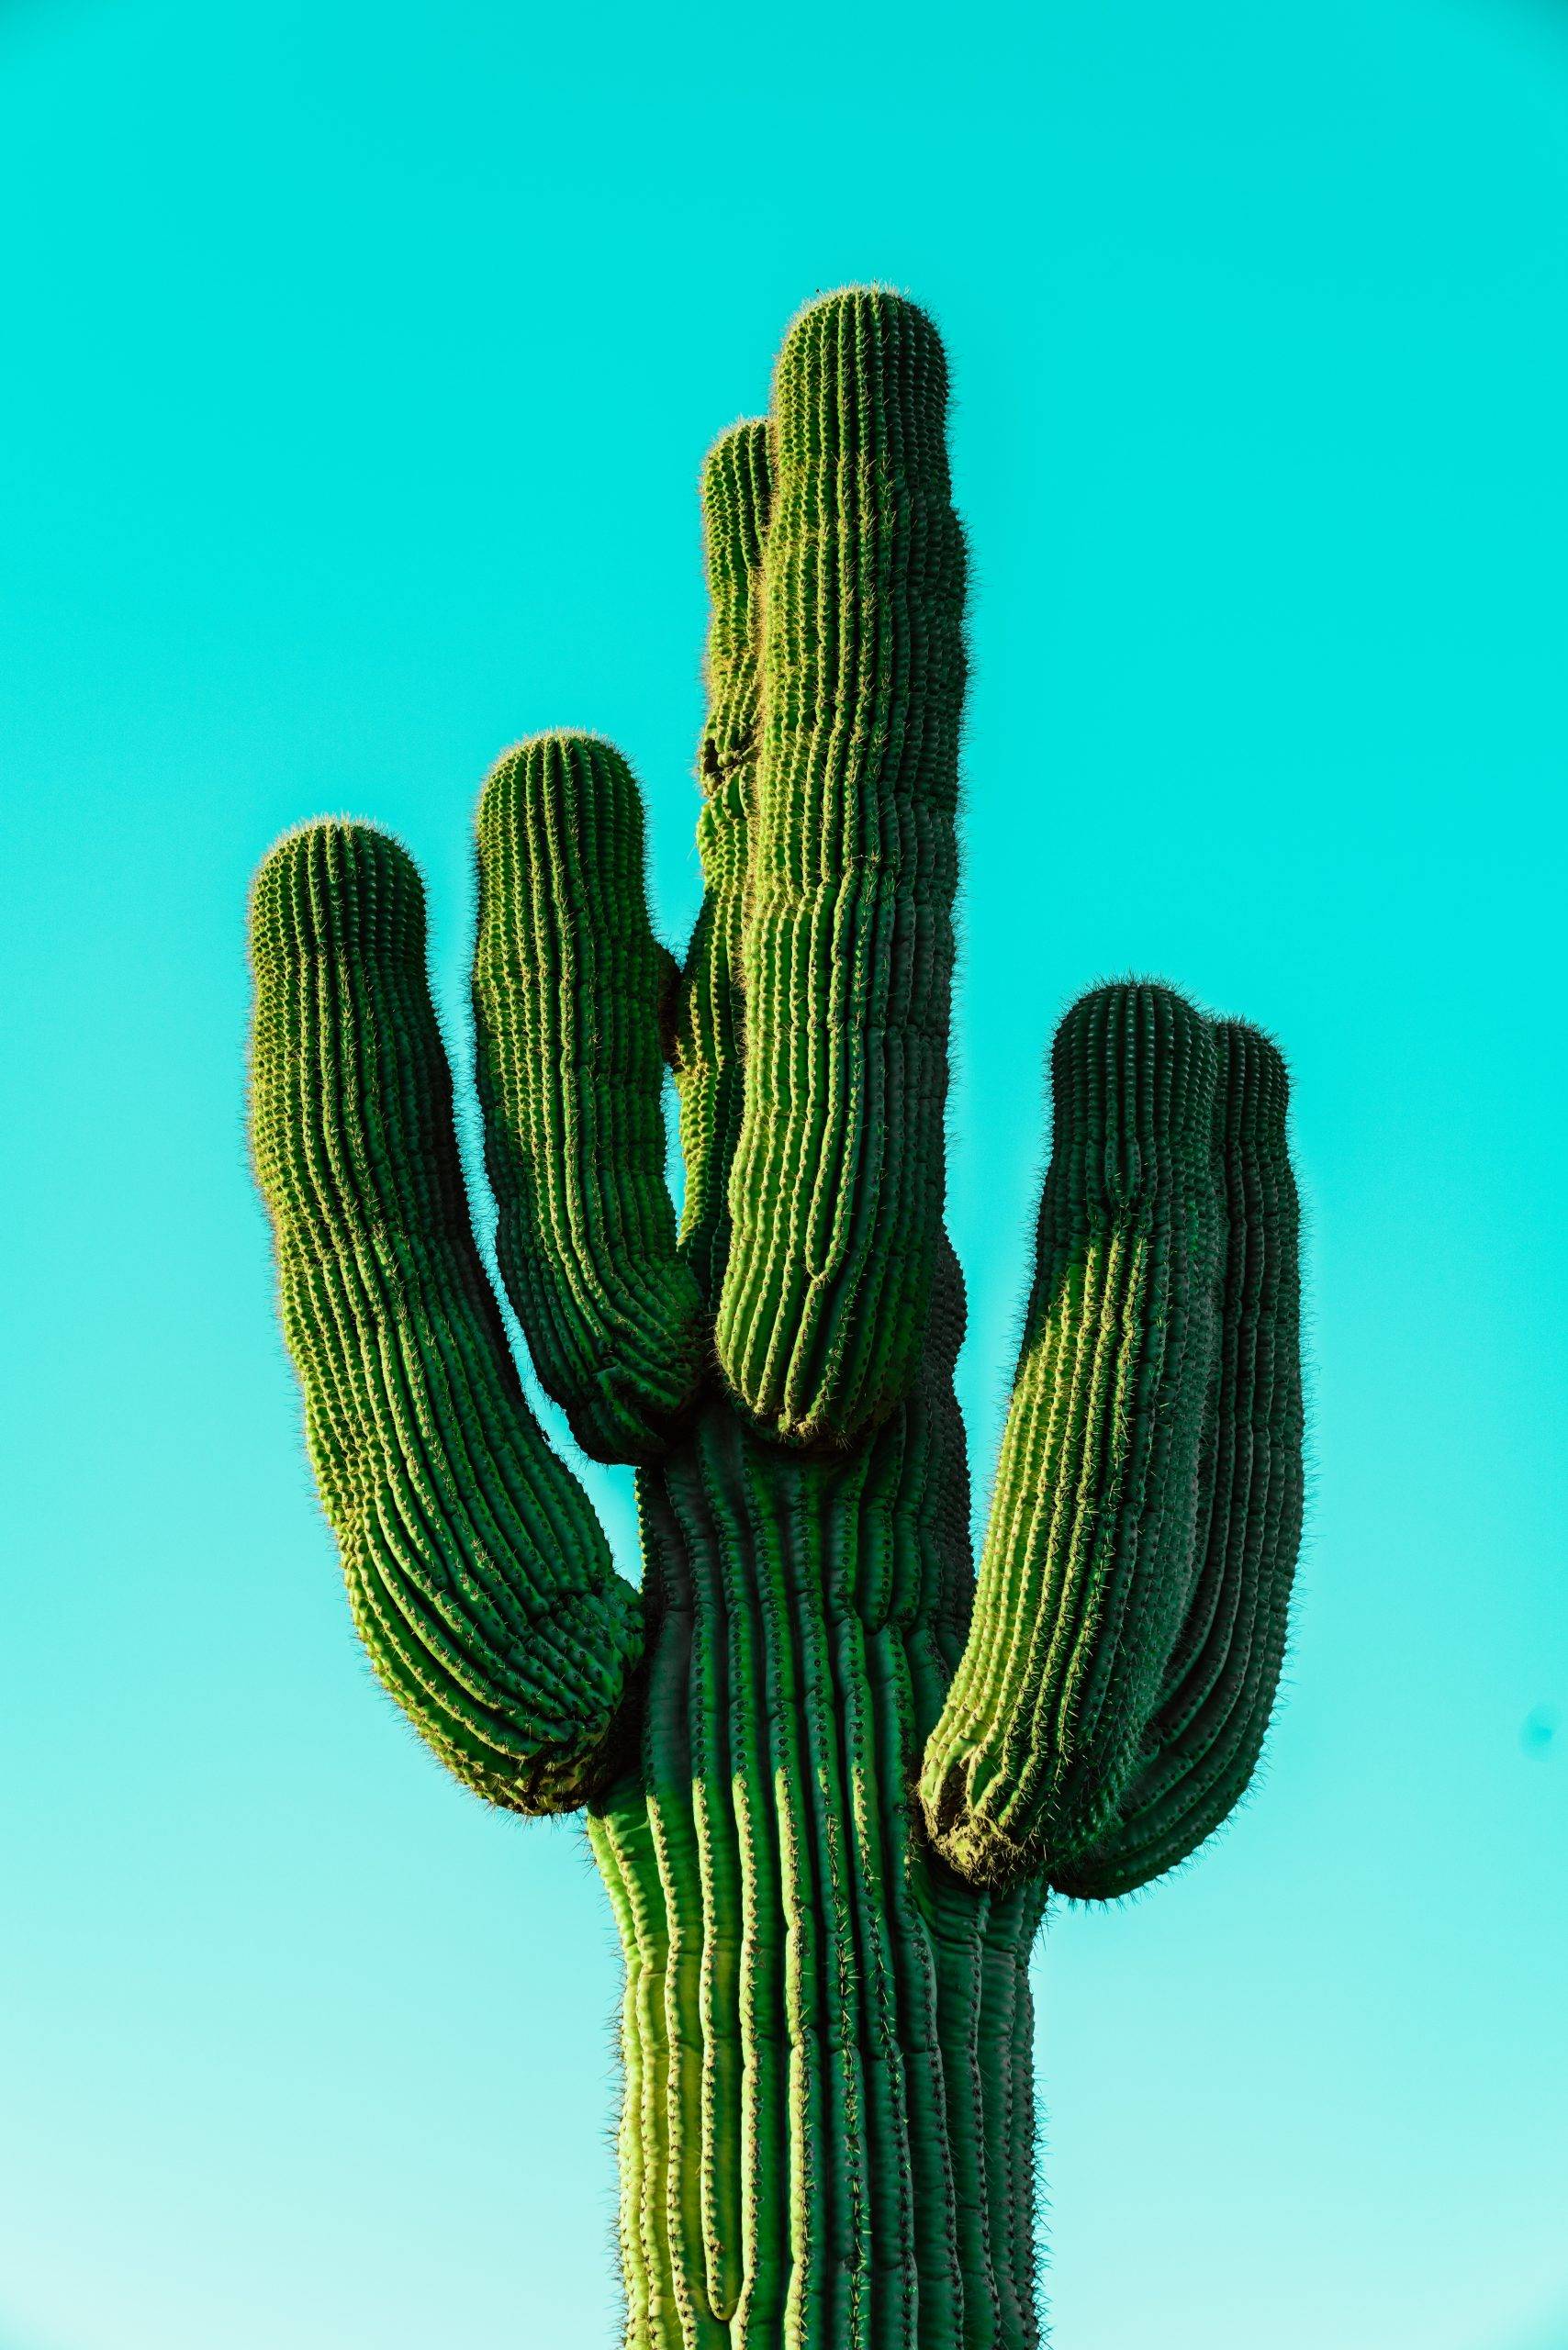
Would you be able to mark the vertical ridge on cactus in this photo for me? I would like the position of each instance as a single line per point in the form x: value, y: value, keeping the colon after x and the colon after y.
x: 831, y: 1780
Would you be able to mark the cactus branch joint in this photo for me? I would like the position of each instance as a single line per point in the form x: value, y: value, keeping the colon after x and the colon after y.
x: 830, y: 1773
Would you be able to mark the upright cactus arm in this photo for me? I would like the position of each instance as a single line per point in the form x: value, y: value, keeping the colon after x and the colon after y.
x: 479, y: 1579
x: 1130, y: 1607
x: 1088, y: 1554
x: 568, y: 989
x: 835, y: 1188
x: 707, y: 1045
x: 1200, y: 1748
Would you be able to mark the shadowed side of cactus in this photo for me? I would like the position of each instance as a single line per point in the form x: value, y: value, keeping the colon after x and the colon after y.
x: 829, y: 1779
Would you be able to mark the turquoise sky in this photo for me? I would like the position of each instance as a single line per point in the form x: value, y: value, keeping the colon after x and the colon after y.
x: 360, y: 362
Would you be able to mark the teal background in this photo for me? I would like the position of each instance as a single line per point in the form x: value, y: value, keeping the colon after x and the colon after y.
x: 360, y: 362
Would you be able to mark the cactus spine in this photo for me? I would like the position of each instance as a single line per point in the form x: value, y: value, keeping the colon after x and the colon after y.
x: 829, y: 1778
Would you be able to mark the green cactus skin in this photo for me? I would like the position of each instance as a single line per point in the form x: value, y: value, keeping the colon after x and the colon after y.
x: 829, y: 1778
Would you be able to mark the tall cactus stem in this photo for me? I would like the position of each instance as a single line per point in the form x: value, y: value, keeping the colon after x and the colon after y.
x: 836, y: 1192
x: 826, y: 2044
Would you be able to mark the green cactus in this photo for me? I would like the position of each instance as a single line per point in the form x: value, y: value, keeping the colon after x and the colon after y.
x: 829, y: 1776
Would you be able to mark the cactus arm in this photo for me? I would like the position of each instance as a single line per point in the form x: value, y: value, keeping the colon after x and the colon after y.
x: 1088, y: 1560
x: 1203, y: 1744
x: 836, y: 1192
x: 707, y: 1044
x: 478, y: 1576
x: 568, y: 983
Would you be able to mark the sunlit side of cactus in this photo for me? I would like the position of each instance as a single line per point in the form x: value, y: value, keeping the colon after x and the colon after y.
x: 829, y: 1777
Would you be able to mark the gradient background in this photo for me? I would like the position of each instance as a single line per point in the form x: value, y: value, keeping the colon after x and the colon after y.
x: 360, y: 362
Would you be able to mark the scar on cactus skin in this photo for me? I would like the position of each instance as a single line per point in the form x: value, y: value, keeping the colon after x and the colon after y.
x: 830, y: 1774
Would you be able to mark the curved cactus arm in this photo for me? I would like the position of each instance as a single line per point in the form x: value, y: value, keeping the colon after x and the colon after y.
x: 569, y: 987
x: 1089, y: 1557
x: 479, y: 1578
x: 836, y: 1191
x: 1201, y: 1748
x: 707, y: 1045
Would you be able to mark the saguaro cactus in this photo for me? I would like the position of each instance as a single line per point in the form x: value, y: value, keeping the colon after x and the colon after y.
x: 829, y: 1777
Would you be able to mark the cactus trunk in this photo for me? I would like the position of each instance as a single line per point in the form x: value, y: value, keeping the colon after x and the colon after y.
x: 826, y: 2139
